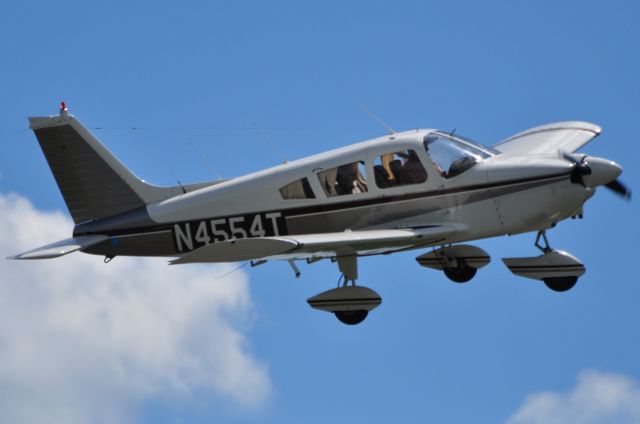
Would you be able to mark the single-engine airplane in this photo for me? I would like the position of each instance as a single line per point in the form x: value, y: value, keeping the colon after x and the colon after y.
x: 409, y: 190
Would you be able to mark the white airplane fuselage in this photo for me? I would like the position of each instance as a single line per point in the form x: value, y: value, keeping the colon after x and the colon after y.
x: 499, y: 195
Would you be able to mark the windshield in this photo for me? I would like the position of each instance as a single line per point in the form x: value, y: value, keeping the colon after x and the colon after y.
x: 453, y: 155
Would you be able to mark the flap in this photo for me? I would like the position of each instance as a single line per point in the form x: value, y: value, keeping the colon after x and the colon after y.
x: 237, y: 250
x: 550, y: 139
x: 60, y: 248
x: 365, y: 242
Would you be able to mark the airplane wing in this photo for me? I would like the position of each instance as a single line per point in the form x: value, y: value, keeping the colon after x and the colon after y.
x: 552, y: 138
x: 60, y: 248
x: 325, y: 245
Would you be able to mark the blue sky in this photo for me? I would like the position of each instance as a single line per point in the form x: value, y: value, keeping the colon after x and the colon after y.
x: 206, y: 72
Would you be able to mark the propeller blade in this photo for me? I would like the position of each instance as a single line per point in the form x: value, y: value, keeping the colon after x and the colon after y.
x: 620, y: 189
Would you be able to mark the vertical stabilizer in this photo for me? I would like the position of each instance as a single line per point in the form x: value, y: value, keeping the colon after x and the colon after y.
x: 93, y: 182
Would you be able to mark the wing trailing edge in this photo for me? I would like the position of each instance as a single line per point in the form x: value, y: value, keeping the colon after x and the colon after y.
x: 324, y: 245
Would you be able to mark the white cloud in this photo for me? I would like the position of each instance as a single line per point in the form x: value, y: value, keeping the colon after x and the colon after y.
x: 82, y: 342
x: 597, y: 398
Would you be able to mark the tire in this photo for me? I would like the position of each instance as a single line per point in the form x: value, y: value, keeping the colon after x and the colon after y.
x: 460, y: 274
x: 351, y: 317
x: 561, y: 284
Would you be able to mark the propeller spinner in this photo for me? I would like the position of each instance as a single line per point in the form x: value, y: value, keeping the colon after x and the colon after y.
x: 592, y: 172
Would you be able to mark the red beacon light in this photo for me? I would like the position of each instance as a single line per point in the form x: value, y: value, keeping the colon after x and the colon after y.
x: 63, y: 108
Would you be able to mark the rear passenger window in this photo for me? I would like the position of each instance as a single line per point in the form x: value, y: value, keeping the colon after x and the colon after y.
x: 299, y: 189
x: 344, y: 179
x: 398, y: 169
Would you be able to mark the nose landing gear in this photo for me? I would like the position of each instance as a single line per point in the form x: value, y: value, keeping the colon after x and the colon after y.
x: 558, y: 269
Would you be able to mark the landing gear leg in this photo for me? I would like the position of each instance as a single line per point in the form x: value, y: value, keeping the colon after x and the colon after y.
x: 547, y: 247
x: 348, y: 266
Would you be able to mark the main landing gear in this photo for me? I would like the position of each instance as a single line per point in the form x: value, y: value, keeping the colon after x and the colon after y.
x: 460, y: 263
x: 349, y: 303
x: 558, y: 269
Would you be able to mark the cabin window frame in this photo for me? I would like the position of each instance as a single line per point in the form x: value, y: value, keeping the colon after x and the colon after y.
x: 409, y: 151
x: 342, y: 181
x: 304, y: 192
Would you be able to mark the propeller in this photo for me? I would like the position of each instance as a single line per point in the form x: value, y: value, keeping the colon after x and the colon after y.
x: 620, y: 189
x: 594, y: 172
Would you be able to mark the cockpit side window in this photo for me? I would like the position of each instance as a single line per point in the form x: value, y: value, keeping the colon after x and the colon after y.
x: 398, y: 169
x: 299, y: 189
x: 345, y: 179
x: 452, y: 157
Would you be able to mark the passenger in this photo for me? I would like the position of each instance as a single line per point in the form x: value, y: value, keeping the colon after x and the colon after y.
x: 349, y: 180
x: 359, y: 184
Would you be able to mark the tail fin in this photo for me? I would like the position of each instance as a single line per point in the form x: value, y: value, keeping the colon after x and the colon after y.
x: 93, y: 182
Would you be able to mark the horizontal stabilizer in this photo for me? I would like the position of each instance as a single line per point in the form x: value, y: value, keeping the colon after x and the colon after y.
x: 61, y: 248
x: 322, y: 245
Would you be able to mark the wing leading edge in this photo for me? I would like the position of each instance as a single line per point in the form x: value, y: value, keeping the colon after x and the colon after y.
x: 325, y: 245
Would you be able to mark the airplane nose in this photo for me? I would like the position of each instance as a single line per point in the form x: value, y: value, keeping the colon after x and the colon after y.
x: 603, y: 171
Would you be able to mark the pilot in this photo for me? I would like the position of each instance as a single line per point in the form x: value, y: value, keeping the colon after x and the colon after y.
x: 382, y: 176
x: 412, y: 170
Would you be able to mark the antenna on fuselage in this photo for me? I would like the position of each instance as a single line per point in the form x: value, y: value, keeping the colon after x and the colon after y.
x: 184, y: 191
x: 204, y: 160
x: 270, y: 142
x: 377, y: 119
